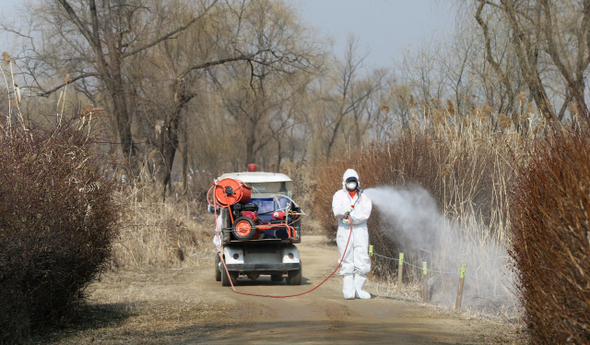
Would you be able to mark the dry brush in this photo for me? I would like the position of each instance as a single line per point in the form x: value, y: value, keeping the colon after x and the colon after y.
x: 57, y: 223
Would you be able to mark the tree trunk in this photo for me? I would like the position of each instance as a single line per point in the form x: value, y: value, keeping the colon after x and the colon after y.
x: 333, y: 136
x: 184, y: 158
x: 170, y: 134
x: 121, y: 114
x: 250, y: 142
x: 279, y: 154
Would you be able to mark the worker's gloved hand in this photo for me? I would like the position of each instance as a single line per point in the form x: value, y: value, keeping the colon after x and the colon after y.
x: 348, y: 210
x: 346, y: 220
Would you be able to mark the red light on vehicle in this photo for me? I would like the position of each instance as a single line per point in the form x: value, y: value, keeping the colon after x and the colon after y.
x: 251, y: 167
x: 236, y: 256
x: 290, y: 255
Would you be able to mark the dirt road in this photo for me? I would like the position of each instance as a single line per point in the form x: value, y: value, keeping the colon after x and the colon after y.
x: 187, y: 306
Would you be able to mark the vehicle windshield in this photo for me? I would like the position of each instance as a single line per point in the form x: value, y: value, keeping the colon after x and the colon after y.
x: 270, y: 189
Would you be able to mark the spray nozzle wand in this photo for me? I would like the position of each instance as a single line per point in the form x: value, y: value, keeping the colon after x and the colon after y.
x: 347, y: 213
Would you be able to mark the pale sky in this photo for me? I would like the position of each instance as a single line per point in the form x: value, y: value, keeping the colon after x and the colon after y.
x: 384, y: 27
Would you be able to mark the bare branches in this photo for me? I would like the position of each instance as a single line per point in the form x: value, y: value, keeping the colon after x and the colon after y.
x: 45, y: 93
x: 241, y: 57
x: 526, y: 43
x: 172, y: 33
x: 574, y: 79
x: 143, y: 60
x: 76, y: 20
x: 488, y: 52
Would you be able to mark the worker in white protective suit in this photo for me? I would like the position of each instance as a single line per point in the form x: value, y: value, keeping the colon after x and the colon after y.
x: 350, y: 205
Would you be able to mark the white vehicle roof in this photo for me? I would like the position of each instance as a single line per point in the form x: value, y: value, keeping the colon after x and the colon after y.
x: 256, y: 177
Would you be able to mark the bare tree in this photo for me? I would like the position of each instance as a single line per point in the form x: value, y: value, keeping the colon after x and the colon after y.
x: 83, y: 39
x: 147, y: 56
x: 550, y: 40
x: 253, y: 96
x: 348, y: 97
x: 568, y: 44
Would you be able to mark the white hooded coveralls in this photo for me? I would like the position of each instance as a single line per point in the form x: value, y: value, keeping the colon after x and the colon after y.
x: 356, y: 262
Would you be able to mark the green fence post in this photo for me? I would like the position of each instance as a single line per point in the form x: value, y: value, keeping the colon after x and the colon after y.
x: 400, y: 273
x: 425, y: 281
x: 370, y: 274
x: 460, y: 291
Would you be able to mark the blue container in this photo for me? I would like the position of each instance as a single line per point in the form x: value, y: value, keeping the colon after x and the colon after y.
x: 266, y: 207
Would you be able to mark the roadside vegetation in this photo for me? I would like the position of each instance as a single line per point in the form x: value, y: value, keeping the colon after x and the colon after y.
x: 549, y: 237
x: 116, y: 119
x: 57, y: 224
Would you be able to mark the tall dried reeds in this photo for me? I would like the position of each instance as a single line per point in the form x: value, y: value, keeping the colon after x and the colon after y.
x: 156, y: 234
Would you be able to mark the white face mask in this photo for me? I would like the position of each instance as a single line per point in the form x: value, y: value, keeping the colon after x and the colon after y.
x: 351, y: 185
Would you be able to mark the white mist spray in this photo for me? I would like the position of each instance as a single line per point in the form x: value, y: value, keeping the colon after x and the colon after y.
x: 413, y: 213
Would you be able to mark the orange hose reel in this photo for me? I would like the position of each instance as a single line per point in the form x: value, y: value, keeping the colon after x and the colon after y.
x: 230, y: 191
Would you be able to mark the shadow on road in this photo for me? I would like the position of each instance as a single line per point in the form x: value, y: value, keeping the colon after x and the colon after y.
x: 88, y: 317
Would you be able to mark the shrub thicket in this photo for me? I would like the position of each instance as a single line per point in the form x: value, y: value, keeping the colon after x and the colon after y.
x: 550, y: 240
x: 57, y: 221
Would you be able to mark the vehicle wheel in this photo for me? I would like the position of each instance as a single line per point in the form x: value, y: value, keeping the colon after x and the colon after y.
x: 276, y: 277
x: 294, y: 277
x: 244, y: 228
x: 217, y: 271
x: 225, y: 280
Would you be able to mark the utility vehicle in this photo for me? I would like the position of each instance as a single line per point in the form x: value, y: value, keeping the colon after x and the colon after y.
x: 259, y: 225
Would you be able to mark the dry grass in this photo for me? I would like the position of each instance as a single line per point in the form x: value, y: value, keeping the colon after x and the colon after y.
x: 167, y: 234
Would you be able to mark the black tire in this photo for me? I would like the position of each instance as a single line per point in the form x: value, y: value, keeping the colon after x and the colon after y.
x: 276, y: 277
x: 225, y: 280
x: 244, y: 228
x: 217, y: 271
x: 295, y: 277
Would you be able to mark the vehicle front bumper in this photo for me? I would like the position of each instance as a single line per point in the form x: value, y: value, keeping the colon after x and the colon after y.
x: 264, y: 267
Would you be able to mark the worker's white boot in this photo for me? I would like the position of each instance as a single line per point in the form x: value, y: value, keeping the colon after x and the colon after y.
x: 359, y: 283
x: 348, y: 286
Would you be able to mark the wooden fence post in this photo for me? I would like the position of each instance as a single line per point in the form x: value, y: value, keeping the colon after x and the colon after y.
x: 400, y: 273
x: 460, y: 291
x: 425, y: 281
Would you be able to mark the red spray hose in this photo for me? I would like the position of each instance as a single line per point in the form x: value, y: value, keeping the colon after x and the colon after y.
x: 271, y: 296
